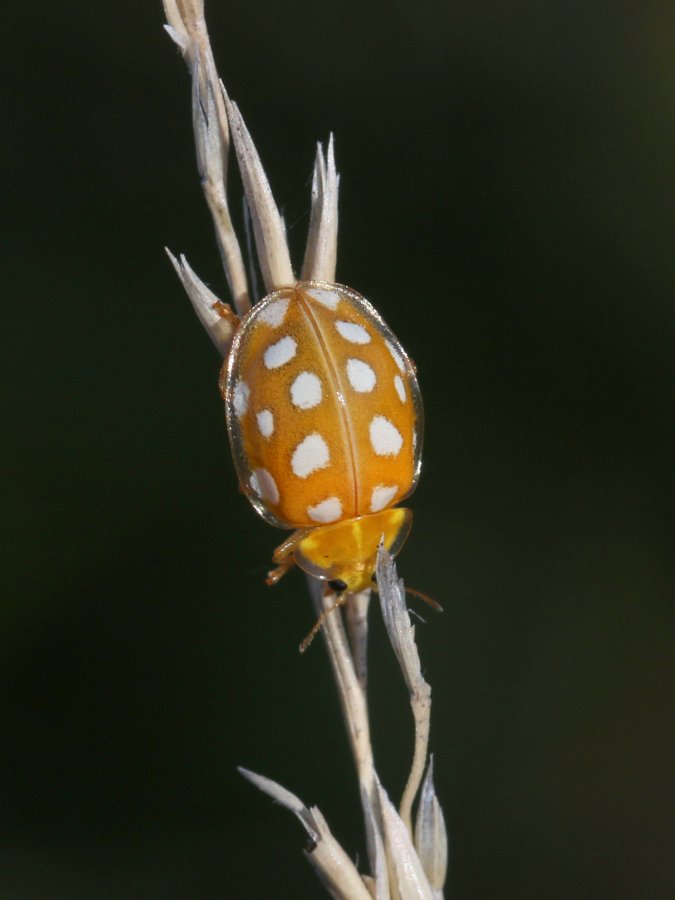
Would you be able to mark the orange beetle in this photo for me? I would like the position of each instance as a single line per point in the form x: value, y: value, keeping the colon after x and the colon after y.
x: 325, y: 419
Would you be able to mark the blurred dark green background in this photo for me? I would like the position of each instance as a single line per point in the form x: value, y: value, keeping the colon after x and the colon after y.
x: 507, y: 203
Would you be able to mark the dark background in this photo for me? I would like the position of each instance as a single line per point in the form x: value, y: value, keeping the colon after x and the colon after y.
x: 507, y: 204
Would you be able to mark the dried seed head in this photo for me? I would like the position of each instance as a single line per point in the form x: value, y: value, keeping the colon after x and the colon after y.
x: 216, y: 317
x: 430, y: 834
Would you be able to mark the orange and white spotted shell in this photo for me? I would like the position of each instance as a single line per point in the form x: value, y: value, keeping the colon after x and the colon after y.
x: 323, y: 408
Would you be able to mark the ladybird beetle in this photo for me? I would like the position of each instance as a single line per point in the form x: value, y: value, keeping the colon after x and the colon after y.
x: 324, y: 416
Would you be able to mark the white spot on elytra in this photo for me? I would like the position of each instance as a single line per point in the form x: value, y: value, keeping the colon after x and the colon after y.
x: 327, y: 511
x: 280, y: 353
x: 329, y: 299
x: 265, y: 422
x: 274, y: 313
x: 310, y: 454
x: 382, y: 496
x: 306, y: 391
x: 400, y: 389
x: 264, y: 485
x: 361, y: 377
x: 240, y: 400
x: 396, y: 356
x: 353, y: 332
x: 385, y: 437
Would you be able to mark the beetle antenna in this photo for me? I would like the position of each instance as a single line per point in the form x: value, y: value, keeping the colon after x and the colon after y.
x: 316, y: 628
x: 434, y: 604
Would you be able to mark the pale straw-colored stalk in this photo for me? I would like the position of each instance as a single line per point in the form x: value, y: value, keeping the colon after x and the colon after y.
x: 405, y: 862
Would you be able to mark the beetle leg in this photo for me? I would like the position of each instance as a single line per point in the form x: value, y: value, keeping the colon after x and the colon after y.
x: 283, y: 556
x: 230, y: 320
x: 224, y: 331
x: 222, y: 379
x: 275, y: 574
